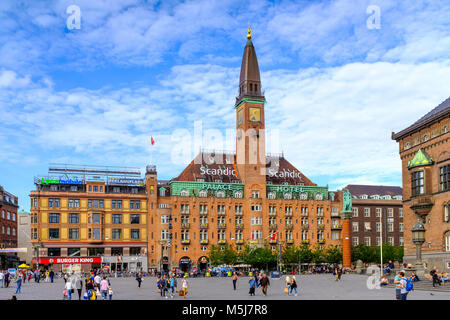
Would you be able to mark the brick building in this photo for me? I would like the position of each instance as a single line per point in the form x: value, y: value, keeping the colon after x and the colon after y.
x: 376, y: 209
x: 425, y: 154
x: 8, y: 224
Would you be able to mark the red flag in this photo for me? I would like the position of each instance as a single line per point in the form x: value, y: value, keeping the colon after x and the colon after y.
x: 272, y: 237
x: 152, y: 141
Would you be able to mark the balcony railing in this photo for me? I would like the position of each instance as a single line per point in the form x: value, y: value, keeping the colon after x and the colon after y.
x: 204, y: 241
x: 320, y: 226
x: 272, y: 241
x: 203, y: 213
x: 272, y: 226
x: 184, y: 212
x: 221, y: 241
x: 321, y: 241
x: 203, y: 226
x: 336, y: 227
x: 186, y: 241
x: 239, y: 226
x: 305, y: 226
x: 305, y: 241
x: 220, y: 213
x: 185, y: 225
x: 290, y: 241
x: 221, y: 225
x: 239, y: 241
x: 289, y: 226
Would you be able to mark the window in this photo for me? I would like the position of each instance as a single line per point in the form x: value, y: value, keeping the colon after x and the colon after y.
x: 390, y: 227
x: 366, y: 212
x: 116, y: 204
x: 164, y: 206
x: 367, y: 226
x: 378, y: 212
x: 401, y: 241
x: 164, y: 234
x: 73, y: 252
x: 14, y: 216
x: 367, y: 241
x: 378, y: 227
x: 444, y: 178
x: 53, y: 234
x: 355, y: 226
x: 390, y: 212
x: 256, y: 234
x: 400, y: 212
x: 13, y: 231
x: 256, y: 221
x: 53, y: 202
x: 53, y: 218
x: 355, y: 241
x: 74, y: 203
x: 74, y: 218
x: 400, y: 227
x: 391, y: 240
x: 54, y: 252
x: 287, y: 196
x: 255, y: 194
x: 117, y: 233
x: 95, y: 188
x: 417, y: 183
x: 74, y: 234
x: 256, y: 207
x: 164, y: 219
x: 238, y: 194
x: 135, y: 219
x: 203, y: 194
x: 220, y: 194
x: 94, y: 233
x: 3, y: 214
x: 303, y: 196
x: 319, y: 196
x: 184, y: 193
x: 271, y: 195
x: 447, y: 241
x: 95, y: 218
x: 53, y: 188
x: 354, y: 212
x: 116, y: 219
x: 134, y: 190
x: 8, y: 231
x: 8, y: 215
x: 92, y: 203
x: 334, y: 235
x: 135, y: 234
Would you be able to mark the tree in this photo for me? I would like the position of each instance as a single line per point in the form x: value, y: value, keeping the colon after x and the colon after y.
x: 259, y: 257
x: 223, y: 254
x: 318, y: 255
x: 333, y: 255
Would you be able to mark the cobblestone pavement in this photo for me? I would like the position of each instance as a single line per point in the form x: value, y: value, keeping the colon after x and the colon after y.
x: 311, y: 287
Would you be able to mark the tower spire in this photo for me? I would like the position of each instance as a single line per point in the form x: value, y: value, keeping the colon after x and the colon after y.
x: 249, y: 32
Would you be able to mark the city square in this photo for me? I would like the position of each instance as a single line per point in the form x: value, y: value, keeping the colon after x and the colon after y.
x: 310, y: 287
x: 150, y: 138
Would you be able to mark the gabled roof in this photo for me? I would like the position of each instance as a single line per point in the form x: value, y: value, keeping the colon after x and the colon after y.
x: 369, y: 190
x: 441, y: 111
x: 420, y: 159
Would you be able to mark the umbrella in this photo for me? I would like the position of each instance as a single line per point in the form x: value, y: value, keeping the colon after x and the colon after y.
x: 23, y: 265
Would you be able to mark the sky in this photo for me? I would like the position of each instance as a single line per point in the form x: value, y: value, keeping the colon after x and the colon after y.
x: 339, y: 77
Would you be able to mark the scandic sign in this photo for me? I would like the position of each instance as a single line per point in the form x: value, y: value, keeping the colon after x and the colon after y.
x: 67, y: 260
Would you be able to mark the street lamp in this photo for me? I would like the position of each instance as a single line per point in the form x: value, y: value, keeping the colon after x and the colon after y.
x: 418, y: 238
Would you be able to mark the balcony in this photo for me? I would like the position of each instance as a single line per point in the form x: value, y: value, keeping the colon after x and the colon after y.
x: 272, y: 226
x: 305, y: 241
x: 239, y: 226
x: 204, y: 241
x: 320, y: 226
x: 289, y: 226
x: 305, y: 226
x: 221, y: 226
x: 321, y: 241
x: 186, y: 241
x: 239, y: 241
x: 221, y: 242
x: 336, y: 227
x: 290, y: 241
x: 272, y: 241
x: 238, y: 213
x: 185, y: 225
x: 203, y: 226
x: 421, y: 205
x: 272, y: 214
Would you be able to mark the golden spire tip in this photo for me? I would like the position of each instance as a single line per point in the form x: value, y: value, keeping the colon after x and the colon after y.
x: 249, y: 32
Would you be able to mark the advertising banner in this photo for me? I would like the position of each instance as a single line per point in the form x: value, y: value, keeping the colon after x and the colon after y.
x: 71, y: 260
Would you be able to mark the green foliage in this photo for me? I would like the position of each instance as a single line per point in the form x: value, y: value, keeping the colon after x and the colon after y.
x: 259, y: 257
x: 217, y: 256
x: 372, y: 254
x: 333, y: 255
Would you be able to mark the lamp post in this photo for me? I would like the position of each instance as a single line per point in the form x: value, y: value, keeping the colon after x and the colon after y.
x: 418, y: 238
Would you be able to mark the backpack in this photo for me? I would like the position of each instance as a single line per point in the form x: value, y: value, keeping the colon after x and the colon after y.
x: 409, y: 285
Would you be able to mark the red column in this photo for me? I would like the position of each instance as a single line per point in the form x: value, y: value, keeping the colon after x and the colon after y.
x: 346, y: 244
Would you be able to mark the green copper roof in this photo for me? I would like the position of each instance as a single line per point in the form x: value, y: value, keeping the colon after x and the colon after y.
x: 420, y: 159
x: 251, y: 100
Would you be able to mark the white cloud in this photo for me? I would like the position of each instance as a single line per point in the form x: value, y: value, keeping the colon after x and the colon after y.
x: 9, y: 79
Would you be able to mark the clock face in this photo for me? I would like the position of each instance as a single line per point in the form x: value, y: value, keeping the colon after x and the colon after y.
x: 254, y: 114
x: 240, y: 116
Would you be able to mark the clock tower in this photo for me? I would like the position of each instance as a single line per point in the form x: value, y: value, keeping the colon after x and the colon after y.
x: 250, y: 129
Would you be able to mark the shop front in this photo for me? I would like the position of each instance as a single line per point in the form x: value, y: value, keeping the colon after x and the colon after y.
x: 71, y: 264
x: 185, y: 264
x: 203, y: 264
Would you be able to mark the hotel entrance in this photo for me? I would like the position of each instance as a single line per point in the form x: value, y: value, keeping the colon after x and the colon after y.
x: 185, y: 264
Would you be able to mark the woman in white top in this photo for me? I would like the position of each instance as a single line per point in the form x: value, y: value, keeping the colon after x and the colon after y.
x: 184, y: 286
x: 68, y: 287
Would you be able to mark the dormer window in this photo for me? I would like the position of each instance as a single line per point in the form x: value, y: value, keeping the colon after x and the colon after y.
x: 287, y: 196
x: 364, y: 196
x: 271, y: 195
x: 184, y: 193
x: 202, y: 194
x: 220, y: 194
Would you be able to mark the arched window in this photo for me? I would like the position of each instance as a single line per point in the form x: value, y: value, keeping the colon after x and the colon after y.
x: 319, y: 196
x: 256, y: 87
x: 202, y: 193
x: 184, y: 193
x: 303, y: 196
x: 271, y: 195
x: 238, y: 194
x: 220, y: 194
x: 445, y: 129
x: 162, y: 192
x: 287, y: 196
x: 251, y: 87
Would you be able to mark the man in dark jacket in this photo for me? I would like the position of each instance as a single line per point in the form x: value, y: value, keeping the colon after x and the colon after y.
x: 435, y: 276
x: 52, y: 275
x: 264, y: 282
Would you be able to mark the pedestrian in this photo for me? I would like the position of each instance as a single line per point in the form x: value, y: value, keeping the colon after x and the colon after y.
x: 7, y: 279
x: 264, y: 283
x: 110, y: 293
x: 164, y: 285
x: 288, y: 285
x: 435, y: 277
x: 18, y: 284
x: 184, y: 286
x: 235, y: 279
x: 104, y: 287
x: 51, y: 275
x: 403, y: 282
x: 339, y: 272
x: 252, y: 284
x: 398, y: 287
x: 2, y: 278
x: 139, y: 279
x: 89, y: 285
x: 172, y: 285
x: 79, y: 286
x: 97, y: 280
x: 68, y: 288
x: 293, y: 285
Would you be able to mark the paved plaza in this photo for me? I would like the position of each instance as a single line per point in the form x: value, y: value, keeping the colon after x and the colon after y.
x: 311, y: 287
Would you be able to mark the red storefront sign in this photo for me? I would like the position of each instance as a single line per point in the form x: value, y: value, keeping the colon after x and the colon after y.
x: 67, y: 260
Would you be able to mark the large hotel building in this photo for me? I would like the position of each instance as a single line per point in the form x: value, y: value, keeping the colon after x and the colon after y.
x: 237, y: 198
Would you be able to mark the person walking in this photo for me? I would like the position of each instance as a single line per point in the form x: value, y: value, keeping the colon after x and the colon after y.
x: 79, y: 286
x: 18, y: 284
x: 184, y: 286
x: 288, y: 285
x: 110, y: 293
x: 398, y: 287
x: 264, y: 282
x: 2, y: 278
x: 403, y: 291
x: 7, y: 279
x: 171, y: 286
x: 139, y: 279
x: 293, y: 285
x: 339, y: 273
x: 104, y: 287
x: 68, y: 287
x: 235, y: 279
x: 51, y: 275
x: 89, y: 287
x: 252, y: 284
x: 97, y: 280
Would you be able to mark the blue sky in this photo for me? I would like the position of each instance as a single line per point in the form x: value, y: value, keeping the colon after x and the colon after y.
x: 335, y: 89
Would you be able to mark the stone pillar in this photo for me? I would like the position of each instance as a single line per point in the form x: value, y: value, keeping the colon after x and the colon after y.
x: 107, y: 251
x: 346, y: 244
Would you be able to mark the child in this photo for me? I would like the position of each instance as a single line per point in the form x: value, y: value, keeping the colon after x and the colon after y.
x: 110, y: 293
x: 252, y: 284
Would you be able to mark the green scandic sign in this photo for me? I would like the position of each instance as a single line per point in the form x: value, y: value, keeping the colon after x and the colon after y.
x: 311, y: 191
x: 193, y: 187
